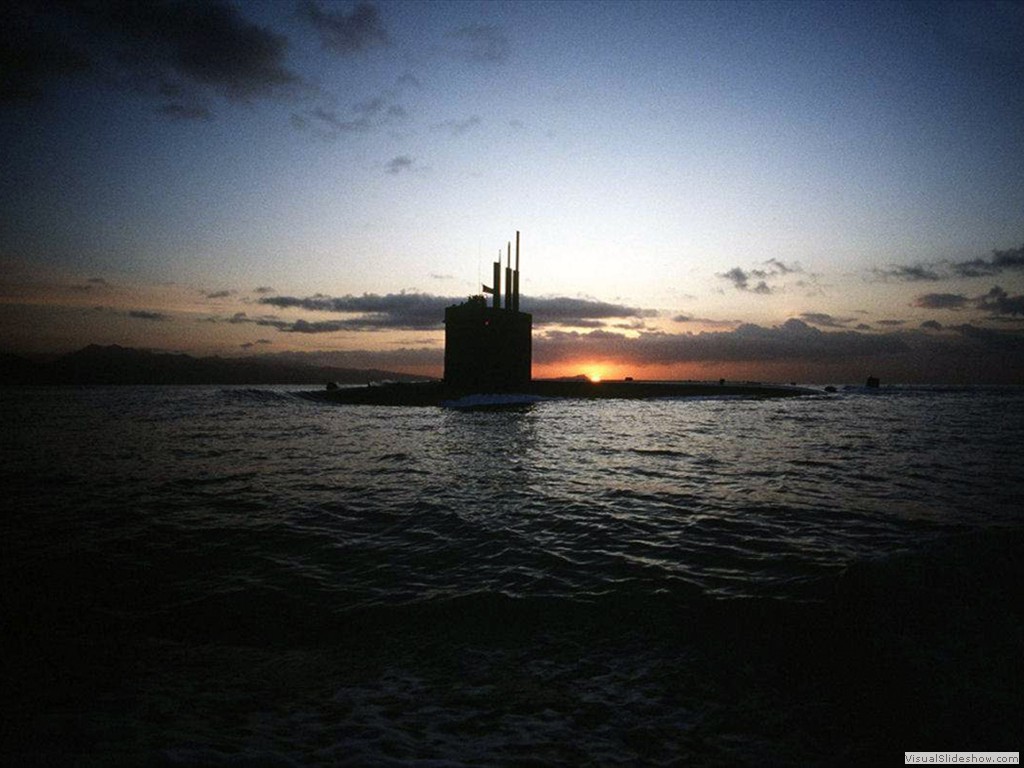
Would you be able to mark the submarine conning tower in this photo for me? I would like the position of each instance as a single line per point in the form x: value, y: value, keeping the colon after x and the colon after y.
x: 489, y: 348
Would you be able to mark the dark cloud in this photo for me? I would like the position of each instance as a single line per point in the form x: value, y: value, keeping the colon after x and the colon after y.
x: 481, y: 43
x: 250, y: 344
x: 999, y: 302
x: 319, y: 326
x: 682, y: 319
x: 1001, y: 261
x: 393, y: 359
x: 37, y: 47
x: 891, y: 323
x: 395, y: 310
x: 219, y: 294
x: 562, y: 310
x: 398, y: 164
x: 756, y: 280
x: 263, y: 289
x: 793, y: 350
x: 458, y: 127
x: 794, y: 340
x: 741, y: 280
x: 175, y: 49
x: 1009, y: 260
x: 423, y: 311
x: 143, y: 314
x: 942, y: 301
x: 999, y: 341
x: 346, y: 34
x: 996, y: 302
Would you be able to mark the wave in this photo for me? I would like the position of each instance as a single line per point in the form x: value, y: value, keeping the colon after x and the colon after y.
x: 914, y: 647
x: 255, y: 395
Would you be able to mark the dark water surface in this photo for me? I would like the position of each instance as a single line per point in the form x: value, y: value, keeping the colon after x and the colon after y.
x: 209, y: 576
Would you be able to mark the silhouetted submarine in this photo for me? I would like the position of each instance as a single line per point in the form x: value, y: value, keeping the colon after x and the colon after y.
x: 488, y: 356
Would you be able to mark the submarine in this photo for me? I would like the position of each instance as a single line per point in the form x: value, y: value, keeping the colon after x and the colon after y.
x: 488, y: 357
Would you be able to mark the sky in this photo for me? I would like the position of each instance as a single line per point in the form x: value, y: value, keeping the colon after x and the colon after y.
x: 800, y: 191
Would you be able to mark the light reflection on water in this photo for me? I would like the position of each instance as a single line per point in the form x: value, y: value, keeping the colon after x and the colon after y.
x: 738, y: 497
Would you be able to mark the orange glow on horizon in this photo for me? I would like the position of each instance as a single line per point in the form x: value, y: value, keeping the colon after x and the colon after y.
x: 608, y: 370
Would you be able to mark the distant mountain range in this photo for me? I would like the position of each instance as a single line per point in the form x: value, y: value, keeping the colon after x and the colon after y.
x: 122, y: 365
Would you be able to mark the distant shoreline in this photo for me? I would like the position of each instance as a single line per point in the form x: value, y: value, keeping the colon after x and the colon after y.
x: 115, y: 365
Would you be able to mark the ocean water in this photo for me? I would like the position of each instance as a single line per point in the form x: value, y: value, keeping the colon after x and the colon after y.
x: 235, y: 576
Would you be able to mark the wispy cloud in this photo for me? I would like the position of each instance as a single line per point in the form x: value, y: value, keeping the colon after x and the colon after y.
x: 458, y: 127
x: 907, y: 273
x: 372, y: 114
x: 346, y: 33
x: 825, y: 320
x: 706, y: 321
x: 145, y: 314
x: 92, y: 284
x: 176, y: 111
x: 398, y: 164
x: 481, y: 43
